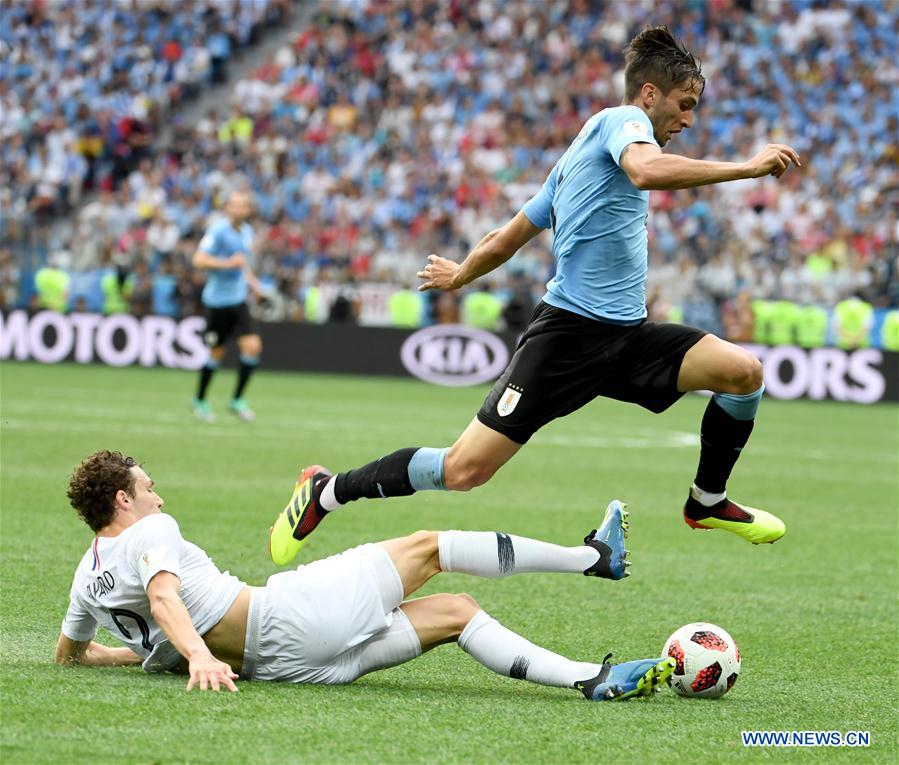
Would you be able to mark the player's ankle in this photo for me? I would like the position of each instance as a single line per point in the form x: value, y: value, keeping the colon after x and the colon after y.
x: 707, y: 498
x: 326, y: 500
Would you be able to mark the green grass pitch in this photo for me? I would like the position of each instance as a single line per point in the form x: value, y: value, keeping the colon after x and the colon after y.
x: 815, y: 614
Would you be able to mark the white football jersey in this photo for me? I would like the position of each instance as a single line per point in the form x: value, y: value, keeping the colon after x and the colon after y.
x: 110, y: 586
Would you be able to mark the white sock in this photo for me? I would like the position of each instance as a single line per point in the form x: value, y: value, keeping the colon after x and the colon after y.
x: 506, y: 653
x: 706, y: 498
x: 492, y: 554
x: 327, y: 500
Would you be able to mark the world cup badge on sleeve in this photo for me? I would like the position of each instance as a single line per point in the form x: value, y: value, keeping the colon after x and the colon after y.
x: 508, y: 401
x: 636, y: 128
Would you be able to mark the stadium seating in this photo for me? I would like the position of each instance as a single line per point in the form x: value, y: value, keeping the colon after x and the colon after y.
x: 87, y: 86
x: 389, y: 130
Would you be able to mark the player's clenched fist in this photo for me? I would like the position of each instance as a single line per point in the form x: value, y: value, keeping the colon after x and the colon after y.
x: 774, y: 160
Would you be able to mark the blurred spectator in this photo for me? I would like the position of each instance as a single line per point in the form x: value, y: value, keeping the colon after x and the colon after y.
x: 406, y: 309
x: 52, y: 283
x: 852, y: 323
x: 141, y: 293
x: 519, y: 305
x: 117, y: 285
x: 389, y: 130
x: 738, y: 320
x: 481, y: 308
x: 84, y: 86
x: 164, y: 290
x: 162, y: 236
x: 9, y: 280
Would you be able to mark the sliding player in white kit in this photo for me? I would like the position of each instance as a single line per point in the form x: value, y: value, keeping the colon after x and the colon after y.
x: 330, y: 621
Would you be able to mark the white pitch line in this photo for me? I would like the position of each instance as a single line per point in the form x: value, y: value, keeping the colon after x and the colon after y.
x: 663, y: 440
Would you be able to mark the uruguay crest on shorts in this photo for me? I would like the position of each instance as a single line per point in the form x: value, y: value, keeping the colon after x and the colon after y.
x: 508, y: 401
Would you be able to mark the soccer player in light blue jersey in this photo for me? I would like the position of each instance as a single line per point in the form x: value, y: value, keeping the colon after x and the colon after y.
x: 589, y: 336
x: 225, y: 252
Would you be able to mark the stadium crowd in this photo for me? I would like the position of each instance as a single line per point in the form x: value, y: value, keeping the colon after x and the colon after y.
x: 391, y: 129
x: 85, y: 86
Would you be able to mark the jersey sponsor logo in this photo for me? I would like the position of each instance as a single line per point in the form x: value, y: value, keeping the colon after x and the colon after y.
x: 454, y: 355
x: 508, y: 401
x: 636, y: 128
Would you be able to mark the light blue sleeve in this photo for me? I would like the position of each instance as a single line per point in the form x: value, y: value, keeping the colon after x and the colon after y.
x: 539, y: 209
x: 210, y: 241
x: 626, y: 127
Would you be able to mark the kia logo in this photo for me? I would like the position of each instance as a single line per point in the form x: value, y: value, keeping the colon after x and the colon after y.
x: 453, y: 354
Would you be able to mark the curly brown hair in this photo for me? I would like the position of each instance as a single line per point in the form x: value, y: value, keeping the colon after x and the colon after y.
x: 94, y: 483
x: 656, y: 56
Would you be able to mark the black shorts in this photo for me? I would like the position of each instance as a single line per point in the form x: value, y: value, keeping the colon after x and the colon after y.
x: 226, y: 322
x: 565, y: 360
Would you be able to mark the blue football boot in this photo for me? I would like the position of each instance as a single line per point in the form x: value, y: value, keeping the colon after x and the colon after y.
x: 608, y: 540
x: 618, y: 682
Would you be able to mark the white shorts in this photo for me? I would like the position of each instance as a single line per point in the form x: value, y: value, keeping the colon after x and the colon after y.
x: 330, y: 621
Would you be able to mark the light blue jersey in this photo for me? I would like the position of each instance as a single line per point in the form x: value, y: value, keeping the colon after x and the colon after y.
x: 229, y: 286
x: 598, y: 219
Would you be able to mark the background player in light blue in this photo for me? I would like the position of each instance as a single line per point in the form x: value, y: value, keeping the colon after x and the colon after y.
x: 225, y: 252
x: 589, y: 336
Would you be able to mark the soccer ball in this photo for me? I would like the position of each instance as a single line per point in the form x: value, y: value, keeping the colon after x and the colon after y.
x: 708, y: 660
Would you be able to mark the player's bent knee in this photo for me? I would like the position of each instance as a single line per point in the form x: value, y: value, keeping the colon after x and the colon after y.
x: 461, y: 610
x: 421, y: 547
x: 251, y: 347
x: 748, y: 374
x: 426, y: 541
x: 468, y: 599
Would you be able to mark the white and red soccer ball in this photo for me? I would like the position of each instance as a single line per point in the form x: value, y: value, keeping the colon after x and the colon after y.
x: 708, y: 660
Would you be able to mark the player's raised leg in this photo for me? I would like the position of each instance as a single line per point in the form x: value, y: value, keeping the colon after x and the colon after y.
x: 493, y: 554
x: 471, y: 461
x: 477, y: 454
x: 735, y: 376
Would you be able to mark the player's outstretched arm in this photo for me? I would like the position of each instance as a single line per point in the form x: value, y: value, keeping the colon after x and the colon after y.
x: 650, y: 169
x: 171, y: 615
x: 490, y: 253
x: 91, y: 654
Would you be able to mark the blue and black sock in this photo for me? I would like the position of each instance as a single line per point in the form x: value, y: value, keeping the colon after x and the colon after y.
x: 397, y: 475
x: 726, y: 426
